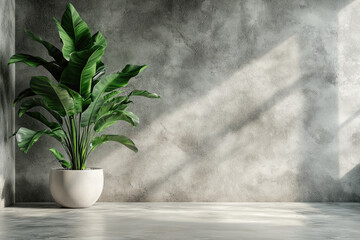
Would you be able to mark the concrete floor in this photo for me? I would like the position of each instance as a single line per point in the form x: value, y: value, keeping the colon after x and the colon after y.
x: 183, y: 221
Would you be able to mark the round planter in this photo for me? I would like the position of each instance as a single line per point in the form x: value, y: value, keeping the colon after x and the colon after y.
x: 76, y: 188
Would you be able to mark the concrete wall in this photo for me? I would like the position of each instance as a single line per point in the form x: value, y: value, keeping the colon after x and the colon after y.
x: 7, y: 90
x: 260, y: 99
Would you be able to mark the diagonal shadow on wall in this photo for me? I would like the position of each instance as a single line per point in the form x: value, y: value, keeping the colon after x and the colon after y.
x: 203, y: 58
x: 209, y: 49
x: 318, y: 168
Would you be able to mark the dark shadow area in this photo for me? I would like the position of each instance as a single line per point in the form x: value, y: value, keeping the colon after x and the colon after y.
x: 7, y: 88
x: 351, y: 182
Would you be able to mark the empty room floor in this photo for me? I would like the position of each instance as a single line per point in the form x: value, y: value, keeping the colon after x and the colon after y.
x: 183, y: 221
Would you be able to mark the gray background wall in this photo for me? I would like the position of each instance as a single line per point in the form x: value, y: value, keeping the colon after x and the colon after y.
x: 7, y: 89
x: 260, y: 99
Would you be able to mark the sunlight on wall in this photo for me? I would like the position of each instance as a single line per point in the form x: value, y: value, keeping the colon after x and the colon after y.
x: 241, y: 137
x: 349, y: 85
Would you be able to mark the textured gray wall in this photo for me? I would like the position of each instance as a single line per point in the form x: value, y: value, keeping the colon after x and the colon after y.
x: 260, y: 99
x: 7, y: 90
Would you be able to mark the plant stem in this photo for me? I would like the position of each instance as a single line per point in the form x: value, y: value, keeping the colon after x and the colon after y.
x: 73, y: 131
x: 88, y: 151
x: 78, y: 141
x: 68, y: 136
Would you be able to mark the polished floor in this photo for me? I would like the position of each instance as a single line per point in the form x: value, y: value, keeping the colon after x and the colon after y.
x: 183, y: 221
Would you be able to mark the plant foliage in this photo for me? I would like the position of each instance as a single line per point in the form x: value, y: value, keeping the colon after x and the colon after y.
x: 81, y: 102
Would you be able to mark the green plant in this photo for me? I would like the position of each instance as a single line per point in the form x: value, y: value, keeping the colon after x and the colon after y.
x: 82, y: 101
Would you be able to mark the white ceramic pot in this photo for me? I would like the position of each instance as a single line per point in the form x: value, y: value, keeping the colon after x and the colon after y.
x: 76, y: 188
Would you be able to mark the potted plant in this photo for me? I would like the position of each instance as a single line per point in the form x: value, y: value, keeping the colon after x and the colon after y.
x: 81, y: 103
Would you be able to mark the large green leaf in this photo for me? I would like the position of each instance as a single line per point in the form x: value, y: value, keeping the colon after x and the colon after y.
x: 52, y: 50
x: 134, y: 119
x: 99, y: 39
x: 56, y: 97
x: 26, y: 93
x: 41, y: 118
x: 120, y: 100
x: 116, y: 138
x: 76, y: 28
x: 32, y: 61
x: 111, y: 97
x: 89, y: 115
x: 82, y: 67
x: 108, y: 84
x: 115, y: 116
x: 68, y: 42
x: 74, y: 32
x: 112, y: 94
x: 60, y: 158
x: 108, y: 120
x: 37, y: 102
x: 109, y: 108
x: 78, y: 100
x: 27, y: 59
x: 26, y: 138
x: 144, y: 93
x: 57, y: 154
x: 117, y: 80
x: 133, y: 69
x: 114, y: 104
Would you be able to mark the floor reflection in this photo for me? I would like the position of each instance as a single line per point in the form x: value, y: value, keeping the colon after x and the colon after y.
x: 183, y: 221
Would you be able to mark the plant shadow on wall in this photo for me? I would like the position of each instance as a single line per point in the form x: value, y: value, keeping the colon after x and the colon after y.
x: 81, y: 102
x: 316, y: 174
x: 224, y: 64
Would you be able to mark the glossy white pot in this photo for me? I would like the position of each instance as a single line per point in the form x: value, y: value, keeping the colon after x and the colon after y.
x: 76, y: 188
